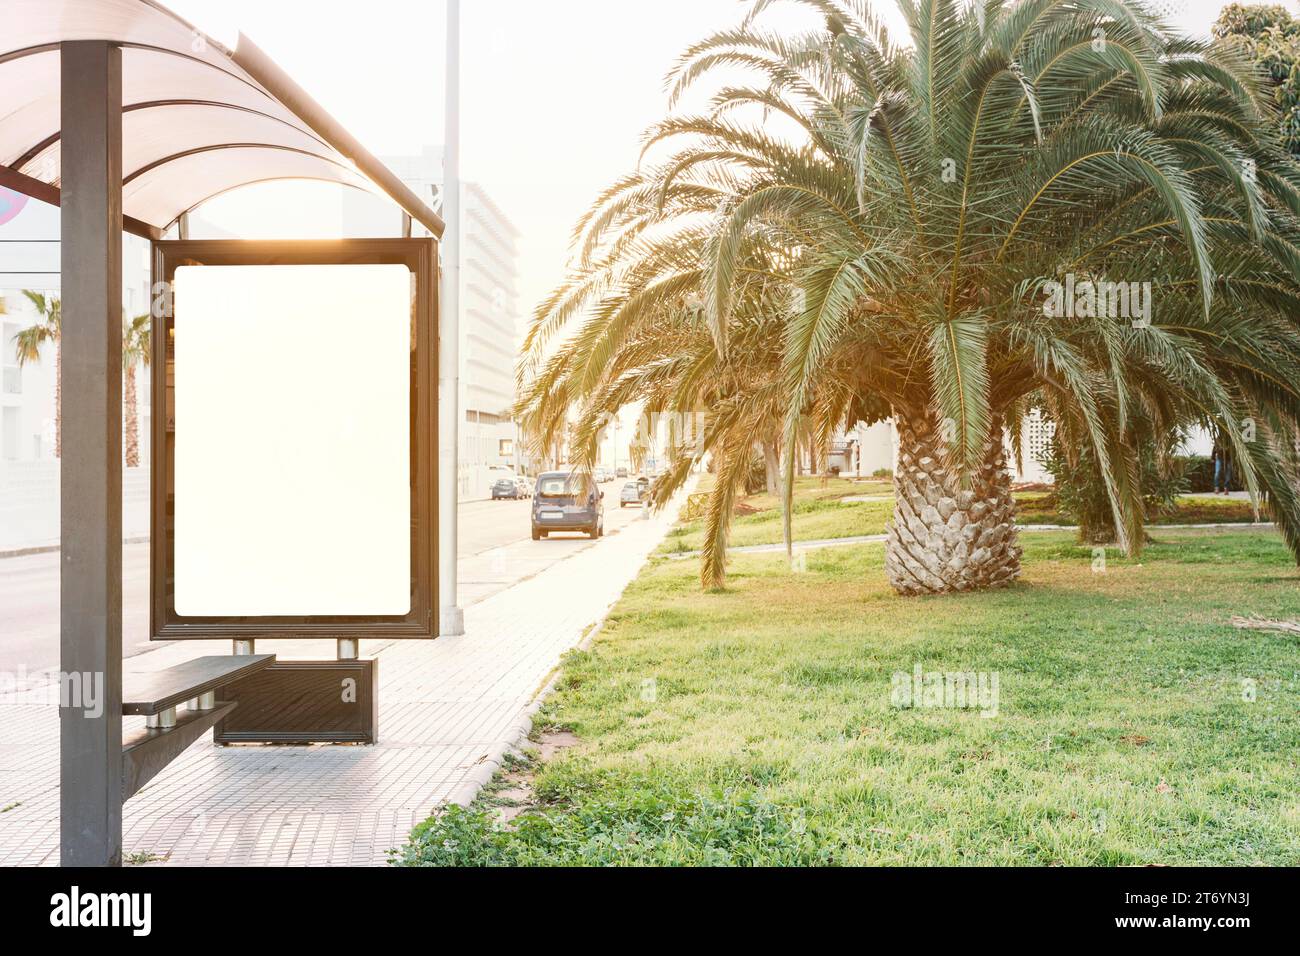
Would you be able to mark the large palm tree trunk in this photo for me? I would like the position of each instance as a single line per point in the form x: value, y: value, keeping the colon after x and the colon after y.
x: 943, y: 537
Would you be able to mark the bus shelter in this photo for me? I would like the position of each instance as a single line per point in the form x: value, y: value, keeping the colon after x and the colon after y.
x: 129, y: 118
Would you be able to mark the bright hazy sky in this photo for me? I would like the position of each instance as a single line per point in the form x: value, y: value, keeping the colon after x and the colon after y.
x: 555, y: 93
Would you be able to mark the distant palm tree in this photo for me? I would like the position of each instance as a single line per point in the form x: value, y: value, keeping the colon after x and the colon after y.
x: 49, y: 328
x: 27, y: 348
x: 649, y: 340
x: 926, y: 213
x: 135, y: 351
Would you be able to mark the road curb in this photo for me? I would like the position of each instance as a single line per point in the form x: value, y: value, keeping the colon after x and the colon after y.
x: 53, y: 548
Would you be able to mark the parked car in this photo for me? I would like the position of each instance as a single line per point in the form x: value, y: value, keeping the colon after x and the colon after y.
x: 620, y: 472
x: 525, y: 487
x: 632, y: 494
x: 507, y: 488
x: 567, y: 501
x: 602, y: 475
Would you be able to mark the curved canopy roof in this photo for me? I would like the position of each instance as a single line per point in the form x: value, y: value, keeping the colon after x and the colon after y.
x: 198, y: 118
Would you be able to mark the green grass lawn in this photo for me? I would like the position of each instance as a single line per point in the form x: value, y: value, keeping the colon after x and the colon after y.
x: 756, y: 725
x: 820, y: 513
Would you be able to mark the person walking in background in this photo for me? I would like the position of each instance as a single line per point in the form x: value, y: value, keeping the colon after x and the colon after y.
x: 1222, y: 466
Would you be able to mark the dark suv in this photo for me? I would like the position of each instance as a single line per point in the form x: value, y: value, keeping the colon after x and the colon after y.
x: 567, y: 501
x: 506, y: 488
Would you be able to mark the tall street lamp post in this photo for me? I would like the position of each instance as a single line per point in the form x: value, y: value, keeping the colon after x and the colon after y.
x: 451, y: 619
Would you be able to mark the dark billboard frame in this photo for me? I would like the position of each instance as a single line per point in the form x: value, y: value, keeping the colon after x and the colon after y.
x: 419, y: 255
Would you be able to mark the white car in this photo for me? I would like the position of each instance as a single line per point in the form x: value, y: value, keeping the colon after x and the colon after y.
x: 633, y: 493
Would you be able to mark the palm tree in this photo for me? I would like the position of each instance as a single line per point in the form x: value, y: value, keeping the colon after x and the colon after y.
x: 27, y: 348
x: 649, y: 340
x: 932, y: 206
x: 135, y: 350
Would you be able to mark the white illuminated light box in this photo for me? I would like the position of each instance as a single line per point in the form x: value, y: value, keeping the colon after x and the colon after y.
x: 292, y: 470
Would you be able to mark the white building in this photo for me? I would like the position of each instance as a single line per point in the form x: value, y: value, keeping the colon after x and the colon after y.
x: 874, y: 448
x: 29, y: 470
x: 490, y: 315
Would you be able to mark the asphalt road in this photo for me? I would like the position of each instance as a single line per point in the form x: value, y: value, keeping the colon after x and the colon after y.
x: 495, y: 550
x: 496, y: 547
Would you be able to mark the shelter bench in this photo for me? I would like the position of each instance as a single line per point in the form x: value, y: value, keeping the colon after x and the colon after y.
x: 167, y: 733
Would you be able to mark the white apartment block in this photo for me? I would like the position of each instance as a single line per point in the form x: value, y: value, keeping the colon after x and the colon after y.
x: 490, y: 316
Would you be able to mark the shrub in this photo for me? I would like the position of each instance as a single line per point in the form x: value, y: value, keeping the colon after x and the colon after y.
x: 1080, y: 493
x: 1270, y: 36
x: 1200, y: 474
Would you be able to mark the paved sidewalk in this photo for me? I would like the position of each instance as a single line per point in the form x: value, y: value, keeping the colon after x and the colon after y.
x: 449, y: 709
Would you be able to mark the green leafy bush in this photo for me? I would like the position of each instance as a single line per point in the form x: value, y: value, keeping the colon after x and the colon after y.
x: 1271, y: 37
x: 1080, y: 493
x: 1199, y: 471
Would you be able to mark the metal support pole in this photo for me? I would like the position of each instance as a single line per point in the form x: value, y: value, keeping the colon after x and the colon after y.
x: 90, y: 478
x: 348, y: 648
x: 243, y: 647
x: 451, y: 620
x: 163, y: 720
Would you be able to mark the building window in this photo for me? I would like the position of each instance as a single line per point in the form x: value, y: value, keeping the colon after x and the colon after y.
x: 1038, y: 435
x: 506, y: 447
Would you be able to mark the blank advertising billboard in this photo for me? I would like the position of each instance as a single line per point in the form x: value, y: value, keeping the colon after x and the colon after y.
x: 292, y: 469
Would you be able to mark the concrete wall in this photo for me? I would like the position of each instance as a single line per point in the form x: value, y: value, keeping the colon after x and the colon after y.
x: 877, y: 447
x: 29, y: 504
